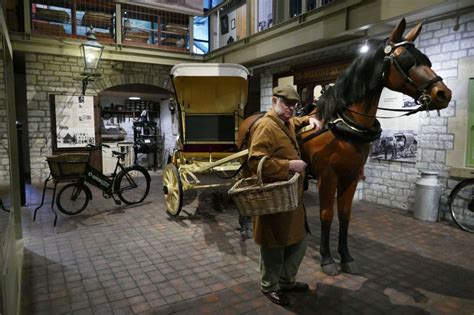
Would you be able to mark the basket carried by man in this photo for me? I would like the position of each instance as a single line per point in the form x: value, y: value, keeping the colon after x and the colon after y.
x: 254, y: 198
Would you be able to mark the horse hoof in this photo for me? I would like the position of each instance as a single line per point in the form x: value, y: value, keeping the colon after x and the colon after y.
x: 350, y: 267
x: 330, y: 269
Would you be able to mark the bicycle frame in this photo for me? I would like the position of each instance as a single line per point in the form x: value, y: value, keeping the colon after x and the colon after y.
x: 98, y: 179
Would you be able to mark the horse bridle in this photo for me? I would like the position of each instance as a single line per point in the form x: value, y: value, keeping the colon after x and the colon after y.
x: 421, y: 96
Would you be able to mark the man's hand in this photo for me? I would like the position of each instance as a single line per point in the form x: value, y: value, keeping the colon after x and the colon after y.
x: 316, y: 124
x: 297, y: 166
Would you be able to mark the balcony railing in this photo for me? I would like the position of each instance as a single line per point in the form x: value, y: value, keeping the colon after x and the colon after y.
x: 139, y: 26
x: 133, y: 25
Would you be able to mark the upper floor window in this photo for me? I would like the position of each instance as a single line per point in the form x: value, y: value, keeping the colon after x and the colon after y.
x: 209, y: 4
x: 295, y: 8
x: 265, y: 15
x: 201, y: 35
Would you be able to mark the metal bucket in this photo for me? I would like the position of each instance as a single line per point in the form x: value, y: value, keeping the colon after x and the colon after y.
x: 427, y: 193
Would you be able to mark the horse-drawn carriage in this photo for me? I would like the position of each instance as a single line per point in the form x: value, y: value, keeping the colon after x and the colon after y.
x: 210, y: 101
x: 337, y: 152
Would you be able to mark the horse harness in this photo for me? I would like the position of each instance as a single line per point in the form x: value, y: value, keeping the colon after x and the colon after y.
x: 345, y: 128
x: 390, y: 59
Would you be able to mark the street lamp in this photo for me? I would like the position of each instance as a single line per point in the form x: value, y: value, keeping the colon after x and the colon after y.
x: 91, y: 51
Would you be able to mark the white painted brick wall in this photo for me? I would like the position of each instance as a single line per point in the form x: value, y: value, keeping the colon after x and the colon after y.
x: 4, y: 160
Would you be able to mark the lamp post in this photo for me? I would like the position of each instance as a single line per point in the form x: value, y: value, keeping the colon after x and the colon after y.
x: 91, y: 51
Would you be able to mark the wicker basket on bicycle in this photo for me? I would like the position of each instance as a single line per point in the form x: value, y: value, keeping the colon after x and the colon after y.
x: 255, y: 198
x: 67, y: 166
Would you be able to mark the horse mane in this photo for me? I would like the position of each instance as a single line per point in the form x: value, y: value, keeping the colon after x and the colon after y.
x: 362, y: 78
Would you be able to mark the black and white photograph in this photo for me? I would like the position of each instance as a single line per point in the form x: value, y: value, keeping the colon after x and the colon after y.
x: 74, y: 121
x: 399, y: 145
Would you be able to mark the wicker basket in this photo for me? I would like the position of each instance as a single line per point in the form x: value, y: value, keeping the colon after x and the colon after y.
x: 68, y: 165
x: 254, y: 198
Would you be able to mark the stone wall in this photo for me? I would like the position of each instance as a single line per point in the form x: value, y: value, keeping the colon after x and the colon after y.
x: 48, y: 74
x: 4, y: 157
x: 392, y: 183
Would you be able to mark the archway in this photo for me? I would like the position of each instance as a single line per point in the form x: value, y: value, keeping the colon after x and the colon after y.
x: 124, y: 110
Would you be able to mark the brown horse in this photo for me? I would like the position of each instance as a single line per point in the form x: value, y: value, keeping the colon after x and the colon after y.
x: 337, y: 153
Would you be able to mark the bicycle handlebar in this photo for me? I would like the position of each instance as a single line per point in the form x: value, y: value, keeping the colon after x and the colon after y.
x: 96, y: 147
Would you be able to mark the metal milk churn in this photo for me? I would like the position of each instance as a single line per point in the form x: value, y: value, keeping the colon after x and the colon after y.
x: 427, y: 193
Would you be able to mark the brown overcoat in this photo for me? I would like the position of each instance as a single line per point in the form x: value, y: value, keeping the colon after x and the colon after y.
x: 269, y: 139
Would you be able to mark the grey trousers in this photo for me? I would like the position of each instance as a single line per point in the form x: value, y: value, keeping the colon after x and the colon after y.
x: 278, y: 266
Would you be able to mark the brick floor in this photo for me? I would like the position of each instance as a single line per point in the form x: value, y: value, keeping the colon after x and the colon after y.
x: 138, y: 260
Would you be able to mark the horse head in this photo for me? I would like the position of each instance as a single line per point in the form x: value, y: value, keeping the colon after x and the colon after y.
x: 408, y: 70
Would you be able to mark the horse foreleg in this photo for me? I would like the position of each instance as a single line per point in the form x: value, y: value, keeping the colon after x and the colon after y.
x: 345, y: 195
x: 327, y: 192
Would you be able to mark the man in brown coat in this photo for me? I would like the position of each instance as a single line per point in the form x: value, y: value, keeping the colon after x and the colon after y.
x: 281, y: 236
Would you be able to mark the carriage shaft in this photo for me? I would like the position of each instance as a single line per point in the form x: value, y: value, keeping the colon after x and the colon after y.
x: 205, y: 166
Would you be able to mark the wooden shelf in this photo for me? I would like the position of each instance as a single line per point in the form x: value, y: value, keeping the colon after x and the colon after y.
x: 129, y: 112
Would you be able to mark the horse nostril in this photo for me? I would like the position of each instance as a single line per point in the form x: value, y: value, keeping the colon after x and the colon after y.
x: 443, y: 96
x: 440, y: 95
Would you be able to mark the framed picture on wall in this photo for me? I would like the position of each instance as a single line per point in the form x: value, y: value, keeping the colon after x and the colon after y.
x: 232, y: 24
x: 224, y: 24
x: 72, y: 121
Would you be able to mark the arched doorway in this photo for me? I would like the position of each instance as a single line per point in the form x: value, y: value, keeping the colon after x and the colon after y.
x: 134, y: 118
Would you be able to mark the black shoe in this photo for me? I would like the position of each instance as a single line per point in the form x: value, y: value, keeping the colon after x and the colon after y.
x: 298, y: 287
x: 277, y: 297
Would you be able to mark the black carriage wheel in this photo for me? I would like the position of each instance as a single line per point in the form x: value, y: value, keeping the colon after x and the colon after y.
x: 132, y: 184
x: 72, y: 199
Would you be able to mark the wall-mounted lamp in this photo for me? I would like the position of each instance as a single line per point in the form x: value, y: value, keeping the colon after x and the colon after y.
x: 91, y: 52
x: 456, y: 24
x: 172, y: 108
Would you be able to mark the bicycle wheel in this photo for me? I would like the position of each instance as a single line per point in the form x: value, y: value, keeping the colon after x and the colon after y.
x: 72, y: 199
x: 132, y: 184
x: 461, y: 205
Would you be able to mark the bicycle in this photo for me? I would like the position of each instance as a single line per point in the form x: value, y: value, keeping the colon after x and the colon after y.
x: 461, y: 204
x: 131, y: 185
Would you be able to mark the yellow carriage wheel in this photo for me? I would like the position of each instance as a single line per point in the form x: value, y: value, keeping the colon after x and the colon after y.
x: 173, y: 189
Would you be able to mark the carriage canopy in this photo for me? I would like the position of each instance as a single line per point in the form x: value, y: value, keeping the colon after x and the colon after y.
x: 211, y: 100
x: 211, y: 87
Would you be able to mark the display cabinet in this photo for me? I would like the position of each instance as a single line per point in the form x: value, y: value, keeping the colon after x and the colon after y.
x: 147, y: 140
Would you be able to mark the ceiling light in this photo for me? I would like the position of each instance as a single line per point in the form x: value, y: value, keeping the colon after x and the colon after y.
x: 134, y: 98
x: 364, y: 48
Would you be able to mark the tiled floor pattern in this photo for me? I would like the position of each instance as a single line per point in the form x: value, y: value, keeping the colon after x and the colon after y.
x: 139, y: 260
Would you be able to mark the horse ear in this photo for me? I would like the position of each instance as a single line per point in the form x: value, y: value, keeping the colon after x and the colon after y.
x: 397, y: 33
x: 413, y: 33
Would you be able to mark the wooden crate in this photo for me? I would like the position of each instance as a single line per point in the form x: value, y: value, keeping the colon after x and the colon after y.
x: 137, y: 36
x: 97, y: 20
x: 57, y: 16
x: 46, y: 28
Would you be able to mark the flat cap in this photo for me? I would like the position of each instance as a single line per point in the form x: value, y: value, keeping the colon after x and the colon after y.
x: 287, y: 92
